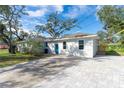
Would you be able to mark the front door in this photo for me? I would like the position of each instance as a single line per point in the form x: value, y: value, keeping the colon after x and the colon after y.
x: 56, y: 49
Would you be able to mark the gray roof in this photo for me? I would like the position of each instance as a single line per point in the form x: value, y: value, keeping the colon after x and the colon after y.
x: 75, y: 35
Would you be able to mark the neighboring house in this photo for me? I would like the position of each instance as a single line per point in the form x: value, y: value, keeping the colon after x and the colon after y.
x: 3, y: 45
x: 76, y: 45
x: 21, y: 46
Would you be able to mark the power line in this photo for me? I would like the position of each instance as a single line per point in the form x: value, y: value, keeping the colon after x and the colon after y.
x: 88, y: 25
x: 87, y: 17
x: 84, y: 19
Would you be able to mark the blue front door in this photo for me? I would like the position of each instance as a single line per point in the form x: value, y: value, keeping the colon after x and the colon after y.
x: 56, y: 49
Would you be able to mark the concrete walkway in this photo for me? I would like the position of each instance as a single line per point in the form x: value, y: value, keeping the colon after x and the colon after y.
x: 62, y: 71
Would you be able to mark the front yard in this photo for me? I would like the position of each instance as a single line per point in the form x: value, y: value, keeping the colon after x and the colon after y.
x: 7, y: 59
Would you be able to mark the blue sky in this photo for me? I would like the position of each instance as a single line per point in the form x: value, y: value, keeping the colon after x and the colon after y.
x: 86, y: 15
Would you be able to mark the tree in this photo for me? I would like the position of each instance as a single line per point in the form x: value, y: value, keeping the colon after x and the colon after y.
x: 102, y: 36
x: 112, y: 18
x: 10, y: 27
x: 56, y: 26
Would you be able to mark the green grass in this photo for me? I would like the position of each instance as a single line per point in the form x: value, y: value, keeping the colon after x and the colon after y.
x: 7, y: 59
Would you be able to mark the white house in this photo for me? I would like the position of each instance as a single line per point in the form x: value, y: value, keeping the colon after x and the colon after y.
x: 76, y: 45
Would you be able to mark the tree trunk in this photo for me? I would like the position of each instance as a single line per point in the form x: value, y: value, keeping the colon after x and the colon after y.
x: 12, y: 49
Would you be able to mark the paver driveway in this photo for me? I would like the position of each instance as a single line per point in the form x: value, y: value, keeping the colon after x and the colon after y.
x: 62, y: 71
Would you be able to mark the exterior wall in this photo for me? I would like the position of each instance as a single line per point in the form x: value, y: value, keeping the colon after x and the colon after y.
x: 51, y: 47
x: 95, y: 47
x: 72, y: 47
x: 21, y: 47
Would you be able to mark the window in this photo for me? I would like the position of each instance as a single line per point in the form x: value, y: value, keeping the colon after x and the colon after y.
x: 64, y: 45
x: 46, y: 44
x: 81, y: 44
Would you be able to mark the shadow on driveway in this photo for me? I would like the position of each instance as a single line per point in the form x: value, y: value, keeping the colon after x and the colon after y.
x: 40, y: 69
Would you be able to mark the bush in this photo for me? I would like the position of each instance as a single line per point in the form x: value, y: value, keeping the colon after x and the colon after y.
x: 32, y: 47
x: 115, y: 49
x: 36, y: 49
x: 25, y: 50
x: 102, y: 47
x: 118, y: 47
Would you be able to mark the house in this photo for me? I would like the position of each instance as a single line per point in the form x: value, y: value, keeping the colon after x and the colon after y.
x: 77, y: 45
x: 3, y: 45
x: 83, y: 45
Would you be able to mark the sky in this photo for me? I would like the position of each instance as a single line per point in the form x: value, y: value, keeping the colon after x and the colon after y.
x: 88, y: 21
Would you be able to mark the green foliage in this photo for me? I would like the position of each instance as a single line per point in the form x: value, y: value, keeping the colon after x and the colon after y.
x: 37, y: 48
x: 115, y: 49
x: 33, y: 47
x: 121, y: 38
x: 118, y: 47
x: 102, y: 36
x: 112, y: 18
x: 10, y: 26
x: 56, y: 26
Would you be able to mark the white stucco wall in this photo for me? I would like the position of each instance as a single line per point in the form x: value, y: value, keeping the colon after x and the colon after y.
x: 72, y: 47
x: 95, y: 46
x: 51, y: 46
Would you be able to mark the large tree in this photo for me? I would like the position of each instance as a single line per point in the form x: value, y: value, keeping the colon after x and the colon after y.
x: 112, y: 18
x: 102, y: 36
x: 10, y: 27
x: 56, y: 26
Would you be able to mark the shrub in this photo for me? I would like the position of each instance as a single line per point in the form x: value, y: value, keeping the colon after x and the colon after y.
x: 33, y: 47
x: 37, y: 48
x: 115, y: 49
x: 118, y: 47
x: 102, y: 46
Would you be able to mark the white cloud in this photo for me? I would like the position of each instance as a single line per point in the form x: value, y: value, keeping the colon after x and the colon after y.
x: 72, y: 13
x: 75, y: 11
x: 42, y: 10
x: 37, y: 13
x: 27, y: 31
x: 59, y: 8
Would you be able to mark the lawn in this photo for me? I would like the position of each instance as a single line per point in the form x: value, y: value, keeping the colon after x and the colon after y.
x: 7, y: 59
